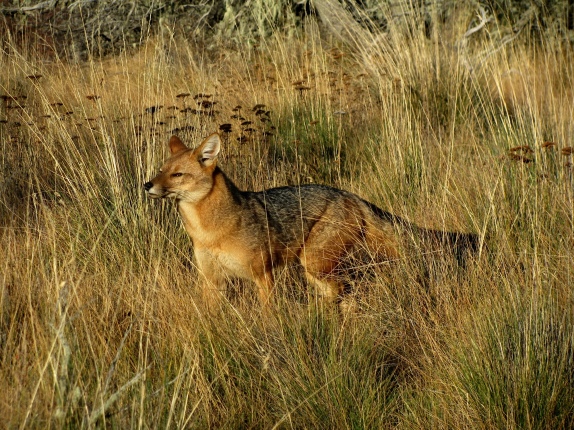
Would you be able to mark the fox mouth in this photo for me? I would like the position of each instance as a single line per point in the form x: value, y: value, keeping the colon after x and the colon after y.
x: 154, y: 196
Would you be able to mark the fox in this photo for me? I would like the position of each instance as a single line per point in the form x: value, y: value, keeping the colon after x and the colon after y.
x: 247, y: 234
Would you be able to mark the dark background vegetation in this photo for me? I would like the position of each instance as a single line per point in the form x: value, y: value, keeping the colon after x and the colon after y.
x: 77, y: 29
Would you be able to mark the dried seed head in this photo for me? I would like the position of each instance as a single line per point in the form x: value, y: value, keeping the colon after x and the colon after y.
x: 517, y: 157
x: 243, y: 139
x: 153, y: 109
x: 226, y: 128
x: 302, y: 88
x: 548, y: 145
x: 206, y: 104
x: 524, y: 148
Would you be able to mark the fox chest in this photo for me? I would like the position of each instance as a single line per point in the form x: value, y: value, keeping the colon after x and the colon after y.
x: 224, y: 247
x: 231, y: 262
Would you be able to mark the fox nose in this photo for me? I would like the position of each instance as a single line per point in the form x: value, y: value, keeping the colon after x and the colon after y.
x: 147, y: 186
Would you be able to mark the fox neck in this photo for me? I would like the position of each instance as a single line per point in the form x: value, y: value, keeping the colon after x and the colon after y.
x: 209, y: 218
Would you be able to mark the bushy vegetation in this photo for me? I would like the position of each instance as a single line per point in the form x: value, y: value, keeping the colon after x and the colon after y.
x: 100, y: 319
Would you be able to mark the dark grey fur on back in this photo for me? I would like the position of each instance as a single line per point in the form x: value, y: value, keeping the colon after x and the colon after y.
x: 307, y: 204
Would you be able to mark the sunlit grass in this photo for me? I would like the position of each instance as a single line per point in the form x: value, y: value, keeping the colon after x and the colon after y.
x: 100, y: 317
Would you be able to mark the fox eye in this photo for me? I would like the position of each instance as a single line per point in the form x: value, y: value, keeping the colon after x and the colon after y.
x: 176, y: 175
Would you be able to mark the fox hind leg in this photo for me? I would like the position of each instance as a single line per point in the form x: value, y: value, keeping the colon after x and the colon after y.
x: 323, y: 271
x: 333, y: 291
x: 329, y: 289
x: 264, y: 284
x: 326, y: 251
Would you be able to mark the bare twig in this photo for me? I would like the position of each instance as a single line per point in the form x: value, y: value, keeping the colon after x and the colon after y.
x: 480, y: 59
x: 484, y: 19
x: 116, y: 358
x: 61, y: 308
x: 97, y: 413
x: 45, y: 5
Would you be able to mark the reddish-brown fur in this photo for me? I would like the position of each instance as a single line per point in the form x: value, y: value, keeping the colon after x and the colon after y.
x: 248, y: 234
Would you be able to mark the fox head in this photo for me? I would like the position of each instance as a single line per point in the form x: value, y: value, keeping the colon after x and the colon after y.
x: 188, y: 174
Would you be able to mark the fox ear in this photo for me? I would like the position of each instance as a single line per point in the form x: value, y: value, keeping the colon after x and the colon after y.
x: 209, y: 149
x: 176, y: 145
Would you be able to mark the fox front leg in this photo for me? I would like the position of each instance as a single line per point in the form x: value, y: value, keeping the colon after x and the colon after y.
x: 213, y: 282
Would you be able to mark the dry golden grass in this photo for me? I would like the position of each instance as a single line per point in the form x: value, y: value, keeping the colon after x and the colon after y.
x: 100, y: 323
